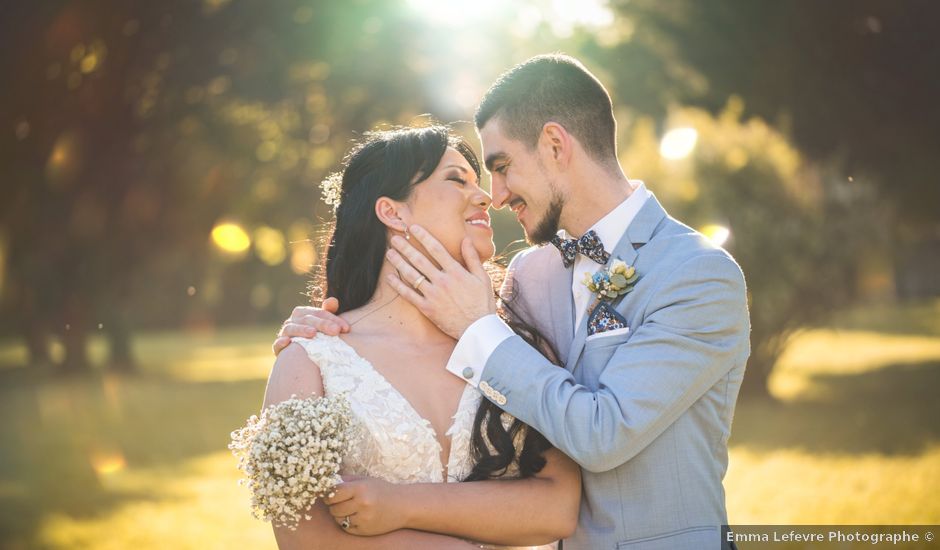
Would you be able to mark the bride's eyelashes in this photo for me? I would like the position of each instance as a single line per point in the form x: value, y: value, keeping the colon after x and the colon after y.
x: 458, y: 179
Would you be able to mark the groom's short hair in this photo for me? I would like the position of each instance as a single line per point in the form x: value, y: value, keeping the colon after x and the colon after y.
x: 552, y: 88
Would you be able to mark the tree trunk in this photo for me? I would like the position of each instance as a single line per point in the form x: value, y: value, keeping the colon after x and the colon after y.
x: 119, y: 342
x: 35, y: 327
x: 75, y: 337
x: 37, y: 344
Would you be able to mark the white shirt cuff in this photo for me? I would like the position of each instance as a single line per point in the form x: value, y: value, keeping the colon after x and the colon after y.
x: 476, y: 345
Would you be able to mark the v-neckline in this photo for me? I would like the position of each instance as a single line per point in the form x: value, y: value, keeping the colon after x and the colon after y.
x: 444, y: 467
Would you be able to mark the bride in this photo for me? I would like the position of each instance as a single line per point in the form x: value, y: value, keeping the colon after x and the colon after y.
x: 420, y: 426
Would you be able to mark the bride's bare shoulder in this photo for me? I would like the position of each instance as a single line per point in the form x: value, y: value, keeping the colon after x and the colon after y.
x: 293, y: 373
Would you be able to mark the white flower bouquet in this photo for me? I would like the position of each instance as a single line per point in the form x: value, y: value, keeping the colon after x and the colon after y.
x: 291, y: 455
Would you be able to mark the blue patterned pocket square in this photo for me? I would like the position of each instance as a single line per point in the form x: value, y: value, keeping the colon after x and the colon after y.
x: 604, y: 318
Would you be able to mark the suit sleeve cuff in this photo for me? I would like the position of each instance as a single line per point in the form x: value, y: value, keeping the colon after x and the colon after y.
x: 476, y: 345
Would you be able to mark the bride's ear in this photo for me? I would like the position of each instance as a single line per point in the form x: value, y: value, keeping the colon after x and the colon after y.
x: 393, y: 214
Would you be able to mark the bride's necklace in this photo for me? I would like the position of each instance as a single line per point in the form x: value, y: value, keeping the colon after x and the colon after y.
x: 376, y: 309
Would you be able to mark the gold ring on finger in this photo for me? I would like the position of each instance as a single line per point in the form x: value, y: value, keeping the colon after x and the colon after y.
x: 417, y: 283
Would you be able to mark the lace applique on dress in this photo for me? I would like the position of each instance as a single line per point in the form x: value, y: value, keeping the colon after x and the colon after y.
x: 394, y: 442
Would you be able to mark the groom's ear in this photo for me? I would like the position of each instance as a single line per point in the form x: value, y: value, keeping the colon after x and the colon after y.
x: 392, y: 213
x: 555, y: 145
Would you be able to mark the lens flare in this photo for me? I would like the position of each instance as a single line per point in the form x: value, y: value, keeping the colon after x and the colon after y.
x: 678, y: 143
x: 107, y: 462
x: 231, y: 238
x: 717, y: 234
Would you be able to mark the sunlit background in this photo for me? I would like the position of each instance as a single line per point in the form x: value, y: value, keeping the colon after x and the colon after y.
x: 160, y: 215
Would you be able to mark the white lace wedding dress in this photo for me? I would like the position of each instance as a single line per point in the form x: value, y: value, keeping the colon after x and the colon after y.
x: 395, y: 444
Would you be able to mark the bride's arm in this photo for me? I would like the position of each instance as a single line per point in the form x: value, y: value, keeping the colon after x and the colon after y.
x: 515, y: 512
x: 295, y: 373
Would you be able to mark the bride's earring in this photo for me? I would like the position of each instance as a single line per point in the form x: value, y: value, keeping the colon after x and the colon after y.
x: 405, y: 229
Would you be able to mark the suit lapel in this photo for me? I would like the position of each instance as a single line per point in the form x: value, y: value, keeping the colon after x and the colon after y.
x: 637, y: 234
x: 562, y: 308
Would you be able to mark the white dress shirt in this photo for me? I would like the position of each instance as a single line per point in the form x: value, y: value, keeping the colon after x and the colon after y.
x: 487, y: 333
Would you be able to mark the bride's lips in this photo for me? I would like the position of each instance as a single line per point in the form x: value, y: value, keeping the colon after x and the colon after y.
x: 480, y: 220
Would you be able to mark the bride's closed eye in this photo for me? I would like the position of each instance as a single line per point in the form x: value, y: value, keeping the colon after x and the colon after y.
x: 458, y: 179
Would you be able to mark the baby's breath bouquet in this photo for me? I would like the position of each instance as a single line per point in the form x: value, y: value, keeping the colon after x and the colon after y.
x: 291, y: 455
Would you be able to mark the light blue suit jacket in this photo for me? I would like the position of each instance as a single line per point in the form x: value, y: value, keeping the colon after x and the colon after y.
x: 645, y: 412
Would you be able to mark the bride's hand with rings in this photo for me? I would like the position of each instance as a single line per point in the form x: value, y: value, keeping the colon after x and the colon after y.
x: 366, y: 507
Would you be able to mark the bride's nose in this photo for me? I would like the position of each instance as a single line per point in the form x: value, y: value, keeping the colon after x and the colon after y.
x: 482, y: 199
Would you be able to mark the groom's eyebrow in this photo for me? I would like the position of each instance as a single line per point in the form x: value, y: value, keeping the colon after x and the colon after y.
x: 493, y: 159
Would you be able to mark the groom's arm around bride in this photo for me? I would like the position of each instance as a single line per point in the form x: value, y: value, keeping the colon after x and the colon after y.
x: 645, y: 411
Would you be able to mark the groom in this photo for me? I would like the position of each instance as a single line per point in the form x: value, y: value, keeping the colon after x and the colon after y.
x: 653, y: 368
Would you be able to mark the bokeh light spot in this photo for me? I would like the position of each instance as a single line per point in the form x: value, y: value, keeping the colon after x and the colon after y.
x: 266, y: 151
x: 219, y: 85
x: 303, y: 256
x: 718, y: 234
x: 678, y: 143
x: 736, y: 158
x: 89, y: 63
x: 107, y: 462
x: 77, y: 53
x: 22, y: 130
x: 63, y: 160
x: 231, y: 238
x: 270, y: 245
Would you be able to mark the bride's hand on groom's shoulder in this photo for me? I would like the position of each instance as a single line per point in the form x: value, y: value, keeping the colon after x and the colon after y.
x: 453, y: 296
x: 307, y: 321
x: 370, y: 506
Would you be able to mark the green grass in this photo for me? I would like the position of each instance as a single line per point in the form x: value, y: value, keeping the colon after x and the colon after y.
x: 855, y: 434
x: 108, y: 461
x: 133, y: 461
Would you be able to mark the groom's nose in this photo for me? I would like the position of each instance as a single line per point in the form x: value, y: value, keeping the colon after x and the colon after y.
x: 500, y: 193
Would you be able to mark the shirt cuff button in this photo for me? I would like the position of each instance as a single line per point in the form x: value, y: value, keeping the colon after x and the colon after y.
x: 467, y: 373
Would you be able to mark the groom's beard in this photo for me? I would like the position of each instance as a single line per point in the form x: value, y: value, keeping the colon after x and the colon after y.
x: 548, y: 225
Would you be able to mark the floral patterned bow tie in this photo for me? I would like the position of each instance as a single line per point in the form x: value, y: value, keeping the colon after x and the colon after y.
x: 589, y: 245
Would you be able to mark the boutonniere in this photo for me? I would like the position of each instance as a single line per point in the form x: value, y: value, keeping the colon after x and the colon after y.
x: 610, y: 283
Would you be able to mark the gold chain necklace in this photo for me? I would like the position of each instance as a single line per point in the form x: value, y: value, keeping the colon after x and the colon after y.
x: 375, y: 310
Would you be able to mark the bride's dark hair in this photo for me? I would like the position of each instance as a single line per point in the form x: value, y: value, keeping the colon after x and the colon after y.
x: 488, y: 426
x: 389, y: 163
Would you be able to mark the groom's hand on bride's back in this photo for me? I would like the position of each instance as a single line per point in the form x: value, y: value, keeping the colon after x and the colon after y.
x: 307, y: 321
